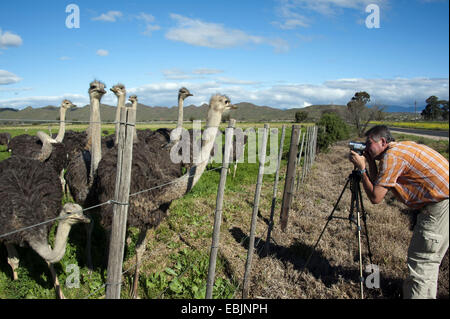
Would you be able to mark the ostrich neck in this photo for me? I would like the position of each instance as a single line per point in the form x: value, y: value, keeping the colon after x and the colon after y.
x: 95, y: 132
x: 120, y: 105
x: 62, y: 125
x: 55, y: 254
x: 180, y: 111
x: 188, y: 180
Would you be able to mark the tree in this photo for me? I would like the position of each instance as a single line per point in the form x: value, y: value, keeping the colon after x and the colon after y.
x: 300, y: 116
x: 432, y: 110
x: 445, y: 110
x: 359, y: 114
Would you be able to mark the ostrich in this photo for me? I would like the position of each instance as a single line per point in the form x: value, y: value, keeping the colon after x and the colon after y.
x: 83, y: 164
x: 5, y: 138
x: 120, y: 92
x: 167, y: 137
x: 84, y: 161
x: 25, y: 145
x: 151, y: 167
x: 30, y: 193
x: 29, y: 145
x: 175, y: 134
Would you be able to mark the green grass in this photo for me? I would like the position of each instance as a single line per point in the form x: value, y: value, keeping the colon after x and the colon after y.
x: 177, y: 270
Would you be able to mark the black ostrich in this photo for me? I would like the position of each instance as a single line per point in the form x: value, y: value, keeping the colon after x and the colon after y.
x: 86, y: 145
x: 151, y: 167
x: 5, y: 137
x: 29, y: 145
x: 31, y: 193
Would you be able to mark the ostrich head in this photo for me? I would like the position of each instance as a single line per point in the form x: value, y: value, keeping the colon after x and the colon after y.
x: 118, y: 89
x: 75, y: 214
x: 133, y: 98
x: 184, y: 93
x: 97, y: 89
x: 220, y: 103
x: 66, y: 104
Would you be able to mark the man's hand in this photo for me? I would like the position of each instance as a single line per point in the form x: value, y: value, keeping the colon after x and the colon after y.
x: 358, y: 160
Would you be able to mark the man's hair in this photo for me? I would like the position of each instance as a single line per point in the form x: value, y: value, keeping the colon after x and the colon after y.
x: 380, y: 131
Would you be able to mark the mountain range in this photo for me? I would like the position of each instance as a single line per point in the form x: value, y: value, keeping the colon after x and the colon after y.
x: 244, y: 112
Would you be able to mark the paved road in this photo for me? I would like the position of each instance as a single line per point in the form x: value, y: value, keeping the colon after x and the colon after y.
x: 427, y: 133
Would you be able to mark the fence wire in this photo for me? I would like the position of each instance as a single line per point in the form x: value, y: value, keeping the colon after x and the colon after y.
x: 111, y: 201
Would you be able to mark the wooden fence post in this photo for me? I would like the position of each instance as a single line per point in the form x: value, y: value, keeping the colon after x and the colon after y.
x: 219, y: 208
x: 290, y: 177
x: 248, y: 263
x: 298, y: 162
x: 275, y: 188
x: 305, y: 160
x: 122, y: 193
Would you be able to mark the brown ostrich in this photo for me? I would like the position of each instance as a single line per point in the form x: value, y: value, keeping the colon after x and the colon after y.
x: 30, y: 145
x: 151, y: 167
x: 30, y: 193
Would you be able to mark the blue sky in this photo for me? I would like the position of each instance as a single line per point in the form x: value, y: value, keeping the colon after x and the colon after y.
x: 279, y: 53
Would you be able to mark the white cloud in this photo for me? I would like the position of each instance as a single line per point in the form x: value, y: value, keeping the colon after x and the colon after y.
x: 102, y: 52
x: 39, y: 101
x: 9, y: 39
x: 207, y: 71
x: 292, y: 13
x: 398, y: 91
x: 150, y: 28
x: 110, y: 16
x: 148, y: 18
x: 8, y: 77
x: 177, y: 74
x: 15, y: 90
x: 213, y: 35
x: 64, y: 58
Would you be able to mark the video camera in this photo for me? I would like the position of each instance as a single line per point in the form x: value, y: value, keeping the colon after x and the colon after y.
x: 358, y: 147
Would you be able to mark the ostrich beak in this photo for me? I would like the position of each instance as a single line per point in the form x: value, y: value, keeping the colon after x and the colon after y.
x: 233, y: 107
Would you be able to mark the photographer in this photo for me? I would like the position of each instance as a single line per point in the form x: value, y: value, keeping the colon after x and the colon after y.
x: 418, y: 176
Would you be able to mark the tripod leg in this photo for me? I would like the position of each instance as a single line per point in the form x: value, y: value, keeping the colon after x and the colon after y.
x: 365, y: 226
x: 361, y: 278
x: 323, y: 230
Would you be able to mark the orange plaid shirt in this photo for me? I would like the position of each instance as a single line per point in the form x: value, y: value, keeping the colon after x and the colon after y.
x: 417, y: 173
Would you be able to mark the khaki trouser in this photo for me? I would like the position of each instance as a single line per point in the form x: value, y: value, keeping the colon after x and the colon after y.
x: 426, y: 250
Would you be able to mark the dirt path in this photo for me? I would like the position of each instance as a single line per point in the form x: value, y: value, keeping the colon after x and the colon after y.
x: 333, y: 271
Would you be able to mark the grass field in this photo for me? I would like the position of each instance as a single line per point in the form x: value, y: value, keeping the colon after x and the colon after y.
x: 441, y: 126
x: 176, y: 261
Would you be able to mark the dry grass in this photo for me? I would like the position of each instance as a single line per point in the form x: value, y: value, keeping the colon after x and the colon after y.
x: 333, y: 271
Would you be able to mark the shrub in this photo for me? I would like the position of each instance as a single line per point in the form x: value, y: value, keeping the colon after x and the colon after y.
x: 331, y: 128
x: 300, y: 116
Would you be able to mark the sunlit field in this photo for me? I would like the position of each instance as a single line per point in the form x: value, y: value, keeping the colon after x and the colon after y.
x: 442, y: 126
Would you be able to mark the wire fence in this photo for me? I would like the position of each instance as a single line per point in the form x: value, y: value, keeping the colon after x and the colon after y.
x: 309, y: 158
x: 108, y: 202
x: 82, y: 122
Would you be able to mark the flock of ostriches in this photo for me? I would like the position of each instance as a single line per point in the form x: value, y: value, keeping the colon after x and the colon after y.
x: 32, y: 181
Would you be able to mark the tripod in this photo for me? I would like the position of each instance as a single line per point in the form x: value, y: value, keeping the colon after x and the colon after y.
x: 354, y: 180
